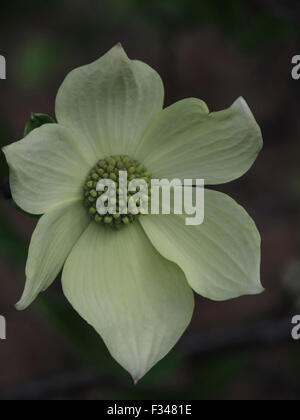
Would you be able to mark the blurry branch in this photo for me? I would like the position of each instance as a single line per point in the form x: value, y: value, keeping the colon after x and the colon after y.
x: 59, y: 385
x: 5, y: 188
x: 259, y: 335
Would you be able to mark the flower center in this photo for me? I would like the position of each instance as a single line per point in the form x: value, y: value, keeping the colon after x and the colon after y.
x: 117, y: 191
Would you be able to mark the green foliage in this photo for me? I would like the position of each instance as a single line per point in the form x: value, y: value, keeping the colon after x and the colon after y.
x: 37, y: 120
x: 26, y: 9
x: 262, y: 30
x: 248, y: 28
x: 213, y: 377
x: 37, y: 61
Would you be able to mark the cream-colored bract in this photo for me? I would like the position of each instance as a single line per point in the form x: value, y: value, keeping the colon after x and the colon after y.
x: 134, y: 286
x: 139, y: 302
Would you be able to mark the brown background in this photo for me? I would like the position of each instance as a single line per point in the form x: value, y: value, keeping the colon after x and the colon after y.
x: 202, y: 50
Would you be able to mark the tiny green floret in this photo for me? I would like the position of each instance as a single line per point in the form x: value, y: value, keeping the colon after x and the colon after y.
x: 109, y: 168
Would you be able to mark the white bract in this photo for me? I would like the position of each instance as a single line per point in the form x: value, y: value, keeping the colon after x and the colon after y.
x: 135, y: 284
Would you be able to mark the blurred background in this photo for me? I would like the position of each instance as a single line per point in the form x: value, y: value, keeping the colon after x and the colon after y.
x: 213, y: 50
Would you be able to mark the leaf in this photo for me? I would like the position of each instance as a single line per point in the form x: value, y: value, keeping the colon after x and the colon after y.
x: 36, y: 121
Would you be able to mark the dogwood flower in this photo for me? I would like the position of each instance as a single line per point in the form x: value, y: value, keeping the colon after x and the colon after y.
x: 135, y: 284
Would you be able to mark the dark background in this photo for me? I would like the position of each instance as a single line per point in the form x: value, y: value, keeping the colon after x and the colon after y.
x: 217, y: 51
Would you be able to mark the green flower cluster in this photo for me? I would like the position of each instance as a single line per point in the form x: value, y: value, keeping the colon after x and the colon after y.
x: 109, y: 168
